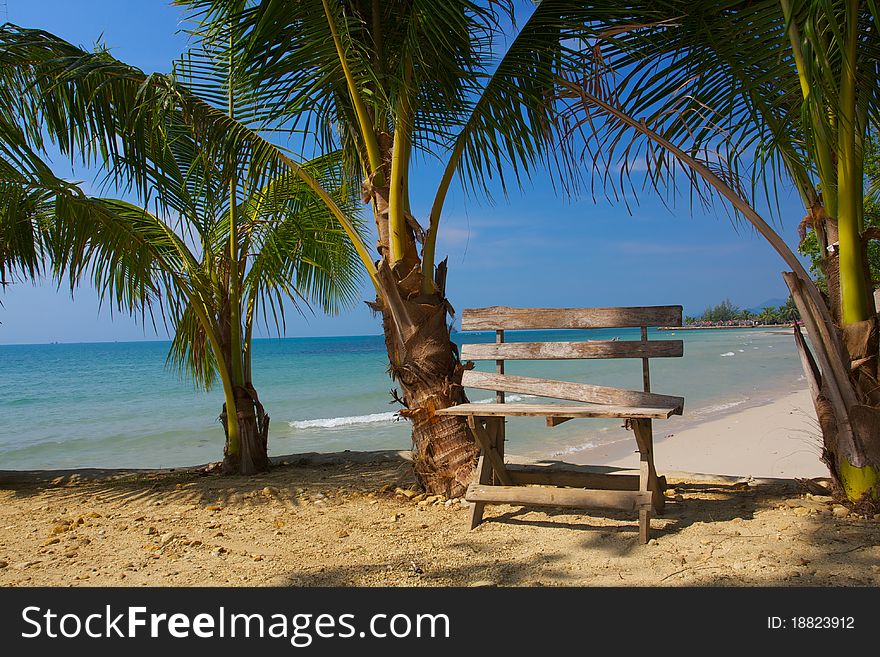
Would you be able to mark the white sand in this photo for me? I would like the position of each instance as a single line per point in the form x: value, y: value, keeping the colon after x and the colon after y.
x: 779, y: 439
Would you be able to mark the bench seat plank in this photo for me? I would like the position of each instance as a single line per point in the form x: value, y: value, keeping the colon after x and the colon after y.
x: 581, y: 392
x: 571, y: 475
x: 558, y: 410
x: 573, y: 350
x: 575, y: 498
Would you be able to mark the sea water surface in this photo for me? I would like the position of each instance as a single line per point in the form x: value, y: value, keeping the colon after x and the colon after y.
x: 117, y: 405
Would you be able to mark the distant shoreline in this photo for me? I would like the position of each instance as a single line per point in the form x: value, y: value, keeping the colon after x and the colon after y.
x: 711, y: 328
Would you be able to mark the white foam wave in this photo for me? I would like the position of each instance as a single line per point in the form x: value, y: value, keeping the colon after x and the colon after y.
x: 574, y: 449
x: 507, y: 398
x: 334, y: 422
x: 716, y: 408
x: 729, y: 353
x: 375, y: 418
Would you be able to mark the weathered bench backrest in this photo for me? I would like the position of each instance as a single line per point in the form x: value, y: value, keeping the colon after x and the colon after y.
x: 501, y: 318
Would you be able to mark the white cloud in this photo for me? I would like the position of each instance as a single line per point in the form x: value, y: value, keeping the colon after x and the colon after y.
x: 659, y: 248
x: 455, y: 235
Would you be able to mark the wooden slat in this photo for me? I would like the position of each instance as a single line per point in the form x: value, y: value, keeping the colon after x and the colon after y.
x: 499, y: 366
x: 502, y: 317
x: 582, y: 392
x: 646, y: 372
x: 572, y: 350
x: 556, y: 421
x: 567, y: 497
x: 556, y: 410
x: 551, y: 476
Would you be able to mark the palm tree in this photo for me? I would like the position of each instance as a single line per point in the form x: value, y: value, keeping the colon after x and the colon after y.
x: 768, y: 315
x: 214, y: 257
x: 789, y: 90
x: 788, y: 312
x: 387, y: 82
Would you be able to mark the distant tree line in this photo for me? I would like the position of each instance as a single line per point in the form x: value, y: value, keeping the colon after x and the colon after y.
x: 727, y: 312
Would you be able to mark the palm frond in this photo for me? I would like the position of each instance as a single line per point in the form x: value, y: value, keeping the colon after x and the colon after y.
x: 191, y: 353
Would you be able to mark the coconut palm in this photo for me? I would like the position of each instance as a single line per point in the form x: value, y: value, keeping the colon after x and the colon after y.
x: 788, y: 89
x: 215, y: 255
x: 788, y: 312
x: 389, y: 82
x: 386, y: 81
x: 768, y: 315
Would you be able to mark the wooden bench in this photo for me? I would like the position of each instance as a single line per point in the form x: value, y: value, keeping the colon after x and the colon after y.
x: 498, y: 483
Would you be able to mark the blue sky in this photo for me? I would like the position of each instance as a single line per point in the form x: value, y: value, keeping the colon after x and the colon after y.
x: 535, y: 248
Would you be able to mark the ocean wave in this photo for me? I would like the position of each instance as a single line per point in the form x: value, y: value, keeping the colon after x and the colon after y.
x: 347, y: 421
x: 574, y: 449
x: 507, y: 398
x: 717, y: 408
x: 374, y: 418
x: 729, y: 353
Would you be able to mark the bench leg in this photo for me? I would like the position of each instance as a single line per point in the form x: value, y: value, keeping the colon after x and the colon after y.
x: 645, y: 439
x: 484, y: 474
x: 497, y: 433
x: 644, y: 514
x: 488, y: 440
x: 644, y: 525
x: 648, y: 480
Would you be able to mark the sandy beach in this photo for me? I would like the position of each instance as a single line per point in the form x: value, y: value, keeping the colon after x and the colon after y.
x: 780, y: 439
x: 354, y: 519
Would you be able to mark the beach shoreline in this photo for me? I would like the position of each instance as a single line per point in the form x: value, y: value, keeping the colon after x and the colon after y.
x: 682, y: 444
x: 780, y: 328
x: 774, y: 435
x: 356, y: 519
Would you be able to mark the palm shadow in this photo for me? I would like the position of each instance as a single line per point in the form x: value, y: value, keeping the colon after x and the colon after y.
x: 290, y: 477
x: 717, y: 499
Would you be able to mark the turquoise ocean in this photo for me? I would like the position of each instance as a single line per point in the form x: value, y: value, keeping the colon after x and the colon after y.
x: 115, y: 405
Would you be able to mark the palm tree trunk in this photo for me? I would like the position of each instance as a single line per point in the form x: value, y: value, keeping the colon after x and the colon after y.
x: 424, y: 361
x: 850, y: 431
x: 252, y: 454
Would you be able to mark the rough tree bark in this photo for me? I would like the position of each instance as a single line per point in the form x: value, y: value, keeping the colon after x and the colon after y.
x: 845, y: 391
x: 423, y: 360
x: 253, y: 431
